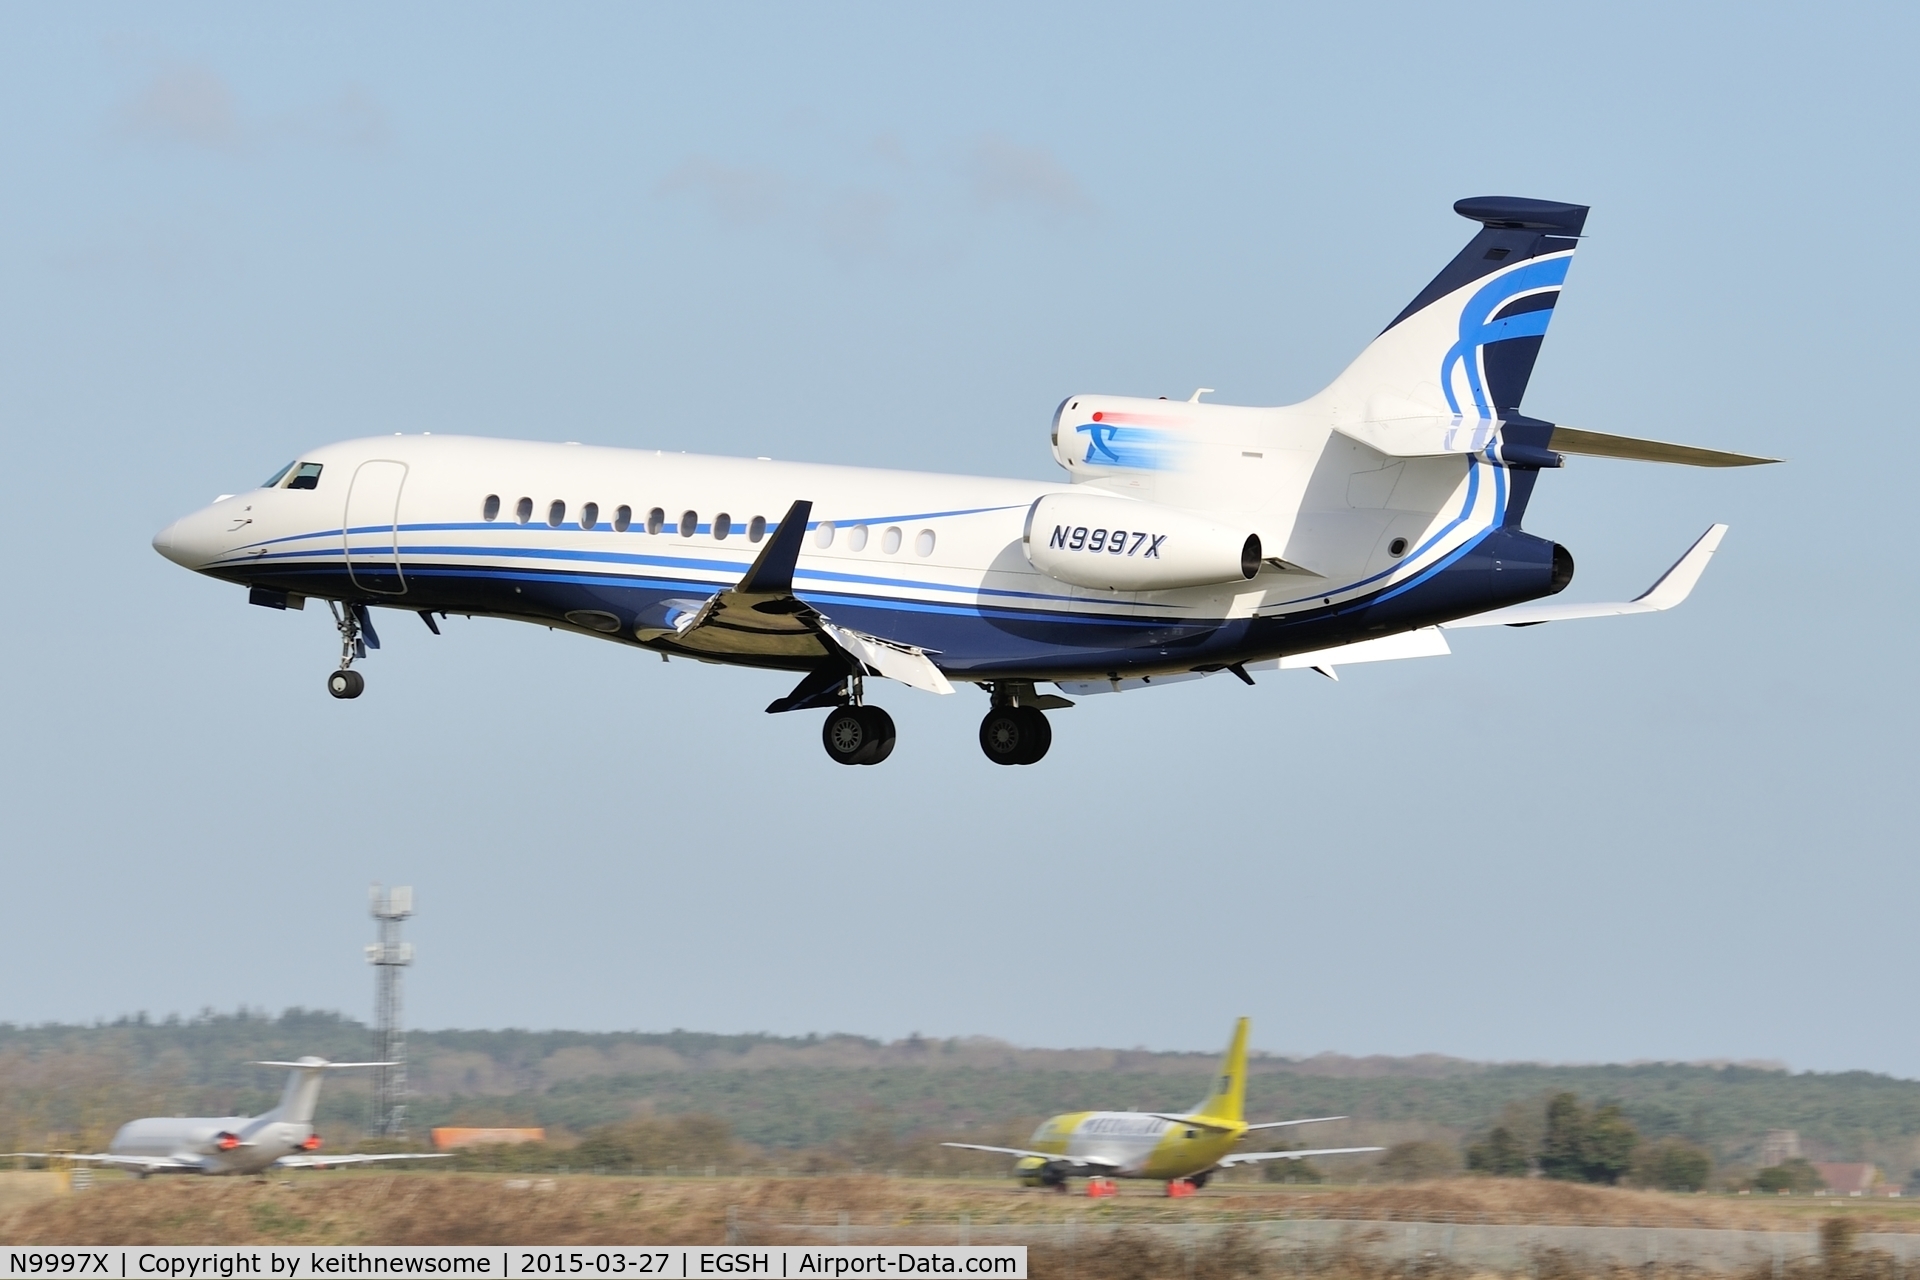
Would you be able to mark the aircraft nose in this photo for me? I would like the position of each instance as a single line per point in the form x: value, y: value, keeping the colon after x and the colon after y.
x: 193, y: 541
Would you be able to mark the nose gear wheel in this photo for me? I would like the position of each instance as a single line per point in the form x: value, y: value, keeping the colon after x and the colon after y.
x: 356, y: 634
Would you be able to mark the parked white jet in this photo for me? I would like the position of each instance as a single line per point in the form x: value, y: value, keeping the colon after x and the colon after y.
x: 1190, y: 538
x: 283, y: 1138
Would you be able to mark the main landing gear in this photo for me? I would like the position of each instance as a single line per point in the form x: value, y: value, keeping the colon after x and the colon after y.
x: 1016, y: 731
x: 356, y: 636
x: 857, y: 734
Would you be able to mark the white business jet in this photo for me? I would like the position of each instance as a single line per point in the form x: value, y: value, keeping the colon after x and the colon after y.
x: 1189, y: 538
x: 283, y: 1138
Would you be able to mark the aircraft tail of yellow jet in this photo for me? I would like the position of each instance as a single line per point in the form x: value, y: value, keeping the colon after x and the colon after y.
x: 1229, y: 1097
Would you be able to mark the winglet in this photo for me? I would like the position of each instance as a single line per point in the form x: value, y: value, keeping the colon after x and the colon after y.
x: 1677, y: 583
x: 771, y: 572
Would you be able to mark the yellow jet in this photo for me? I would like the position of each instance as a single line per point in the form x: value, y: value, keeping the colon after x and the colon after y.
x: 1184, y: 1147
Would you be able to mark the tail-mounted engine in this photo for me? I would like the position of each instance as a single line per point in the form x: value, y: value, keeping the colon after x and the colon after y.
x: 1092, y: 539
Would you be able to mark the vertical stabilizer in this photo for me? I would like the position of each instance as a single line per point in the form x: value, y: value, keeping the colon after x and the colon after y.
x: 1465, y: 347
x: 1228, y: 1100
x: 302, y: 1094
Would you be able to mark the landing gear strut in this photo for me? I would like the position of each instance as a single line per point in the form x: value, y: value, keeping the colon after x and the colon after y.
x: 855, y: 733
x: 352, y: 621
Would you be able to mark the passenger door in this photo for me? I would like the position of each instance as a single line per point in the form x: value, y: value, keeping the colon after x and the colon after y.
x: 371, y: 527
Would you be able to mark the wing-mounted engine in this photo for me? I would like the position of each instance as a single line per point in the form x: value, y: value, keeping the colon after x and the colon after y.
x: 1093, y: 539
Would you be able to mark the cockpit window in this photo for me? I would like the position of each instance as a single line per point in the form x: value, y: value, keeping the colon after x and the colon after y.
x: 305, y: 476
x: 278, y: 476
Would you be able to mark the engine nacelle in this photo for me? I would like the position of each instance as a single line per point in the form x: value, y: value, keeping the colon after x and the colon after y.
x: 1093, y: 539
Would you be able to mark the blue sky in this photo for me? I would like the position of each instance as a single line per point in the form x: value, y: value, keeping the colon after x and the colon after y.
x: 899, y: 235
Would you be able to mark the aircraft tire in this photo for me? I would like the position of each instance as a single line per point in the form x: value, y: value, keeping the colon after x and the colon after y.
x: 881, y: 736
x: 346, y: 684
x: 1039, y: 735
x: 848, y: 735
x: 1015, y: 735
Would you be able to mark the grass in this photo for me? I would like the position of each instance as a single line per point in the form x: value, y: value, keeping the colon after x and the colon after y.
x: 381, y: 1207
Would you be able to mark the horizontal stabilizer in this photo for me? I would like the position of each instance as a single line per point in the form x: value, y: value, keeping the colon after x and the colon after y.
x: 1254, y: 1157
x: 316, y: 1064
x: 1281, y: 1124
x: 1438, y: 436
x: 1675, y: 585
x: 1595, y: 444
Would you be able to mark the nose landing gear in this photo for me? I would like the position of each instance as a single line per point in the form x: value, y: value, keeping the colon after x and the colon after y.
x: 356, y: 637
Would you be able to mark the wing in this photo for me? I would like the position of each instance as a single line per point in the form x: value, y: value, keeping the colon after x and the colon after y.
x: 760, y: 616
x: 331, y: 1162
x: 1675, y: 585
x: 151, y: 1163
x: 1083, y: 1162
x: 1281, y: 1124
x: 1254, y: 1157
x: 1426, y: 642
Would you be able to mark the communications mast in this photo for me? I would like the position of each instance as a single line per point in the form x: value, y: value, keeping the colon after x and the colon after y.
x: 389, y: 957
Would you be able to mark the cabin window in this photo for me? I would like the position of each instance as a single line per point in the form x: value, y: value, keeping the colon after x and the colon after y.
x: 689, y: 523
x: 722, y: 526
x: 590, y: 515
x: 305, y: 476
x: 923, y: 544
x: 1397, y: 548
x: 622, y: 519
x: 278, y: 476
x: 890, y: 540
x: 490, y: 509
x: 857, y: 537
x: 523, y: 510
x: 823, y: 536
x: 756, y: 528
x: 656, y: 520
x: 556, y: 513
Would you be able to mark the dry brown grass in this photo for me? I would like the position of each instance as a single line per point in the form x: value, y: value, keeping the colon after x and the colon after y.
x: 443, y: 1208
x: 1527, y: 1200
